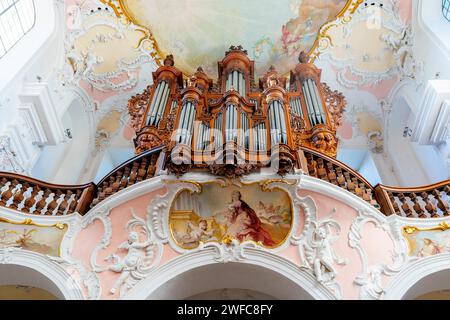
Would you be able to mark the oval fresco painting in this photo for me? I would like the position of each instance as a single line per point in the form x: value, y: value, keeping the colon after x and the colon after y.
x: 198, y: 32
x: 222, y: 213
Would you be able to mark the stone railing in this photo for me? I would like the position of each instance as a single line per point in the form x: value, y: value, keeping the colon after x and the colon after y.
x: 421, y: 202
x: 333, y: 171
x: 38, y: 197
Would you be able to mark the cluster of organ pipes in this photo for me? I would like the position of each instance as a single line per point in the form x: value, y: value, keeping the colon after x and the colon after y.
x: 234, y: 112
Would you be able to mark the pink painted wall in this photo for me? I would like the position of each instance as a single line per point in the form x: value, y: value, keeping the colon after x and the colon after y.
x: 376, y: 242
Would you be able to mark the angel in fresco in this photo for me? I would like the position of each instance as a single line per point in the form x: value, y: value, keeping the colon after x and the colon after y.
x: 243, y: 223
x: 198, y: 233
x: 132, y: 262
x: 430, y: 248
x: 274, y: 215
x: 311, y: 14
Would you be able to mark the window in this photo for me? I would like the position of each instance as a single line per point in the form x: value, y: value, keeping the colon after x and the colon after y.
x: 446, y: 9
x: 17, y: 17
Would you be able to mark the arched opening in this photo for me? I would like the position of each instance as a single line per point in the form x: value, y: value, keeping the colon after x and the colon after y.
x: 435, y: 285
x: 228, y: 281
x: 18, y: 281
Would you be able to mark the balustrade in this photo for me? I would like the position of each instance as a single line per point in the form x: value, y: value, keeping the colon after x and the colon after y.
x: 36, y: 197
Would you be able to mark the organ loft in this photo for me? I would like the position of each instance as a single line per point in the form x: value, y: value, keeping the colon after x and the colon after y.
x: 235, y: 125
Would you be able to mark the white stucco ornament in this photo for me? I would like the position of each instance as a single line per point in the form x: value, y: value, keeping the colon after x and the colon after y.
x: 139, y: 259
x: 319, y: 252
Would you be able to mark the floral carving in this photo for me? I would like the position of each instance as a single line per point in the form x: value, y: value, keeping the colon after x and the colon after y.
x: 336, y: 104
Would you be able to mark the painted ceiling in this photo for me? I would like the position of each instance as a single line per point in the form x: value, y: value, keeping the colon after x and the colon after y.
x: 199, y: 32
x: 363, y: 47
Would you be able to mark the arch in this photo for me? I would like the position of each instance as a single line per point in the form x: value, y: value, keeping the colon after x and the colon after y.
x: 420, y: 277
x: 182, y: 277
x: 20, y: 267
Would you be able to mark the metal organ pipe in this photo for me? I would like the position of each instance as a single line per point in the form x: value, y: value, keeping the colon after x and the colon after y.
x: 309, y: 104
x: 259, y: 137
x: 244, y: 139
x: 319, y: 102
x: 218, y: 131
x: 152, y: 104
x: 277, y: 123
x: 162, y: 104
x: 313, y: 102
x: 231, y: 124
x: 186, y: 123
x: 237, y: 80
x: 157, y: 109
x: 318, y: 112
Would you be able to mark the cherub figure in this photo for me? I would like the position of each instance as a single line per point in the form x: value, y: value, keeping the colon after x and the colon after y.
x: 319, y: 252
x: 132, y: 262
x: 197, y: 233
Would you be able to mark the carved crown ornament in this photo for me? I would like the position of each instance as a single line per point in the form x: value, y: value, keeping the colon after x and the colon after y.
x: 230, y: 127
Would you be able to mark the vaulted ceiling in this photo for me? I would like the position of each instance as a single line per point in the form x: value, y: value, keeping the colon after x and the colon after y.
x: 363, y: 47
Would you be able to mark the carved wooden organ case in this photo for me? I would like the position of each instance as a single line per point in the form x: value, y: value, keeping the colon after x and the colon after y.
x: 234, y: 126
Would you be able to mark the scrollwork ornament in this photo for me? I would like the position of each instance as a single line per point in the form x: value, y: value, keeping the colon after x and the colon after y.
x: 370, y: 278
x: 103, y: 216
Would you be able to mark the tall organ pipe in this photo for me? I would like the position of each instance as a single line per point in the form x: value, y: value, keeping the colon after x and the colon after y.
x: 186, y: 123
x: 158, y: 104
x: 277, y: 123
x: 236, y: 79
x: 313, y: 102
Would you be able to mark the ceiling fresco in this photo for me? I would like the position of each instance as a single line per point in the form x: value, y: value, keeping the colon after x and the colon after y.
x: 363, y: 47
x: 199, y: 32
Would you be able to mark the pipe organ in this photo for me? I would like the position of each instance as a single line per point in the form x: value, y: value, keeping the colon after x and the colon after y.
x: 233, y: 125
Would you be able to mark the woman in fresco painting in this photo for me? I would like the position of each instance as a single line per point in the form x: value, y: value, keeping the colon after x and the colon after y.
x: 430, y: 248
x: 243, y: 223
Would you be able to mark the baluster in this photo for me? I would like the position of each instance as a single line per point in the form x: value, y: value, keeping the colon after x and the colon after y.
x: 416, y: 206
x: 4, y: 185
x: 142, y: 170
x: 405, y: 206
x: 340, y: 177
x: 40, y: 206
x: 74, y: 202
x: 116, y: 184
x: 331, y: 173
x: 393, y: 202
x: 441, y: 204
x: 371, y: 200
x: 18, y: 195
x: 365, y: 196
x: 358, y: 190
x: 52, y: 204
x: 350, y: 184
x: 312, y: 165
x: 321, y: 171
x: 429, y: 207
x: 29, y: 203
x: 134, y: 172
x: 125, y: 177
x: 9, y: 193
x: 64, y: 203
x: 152, y: 167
